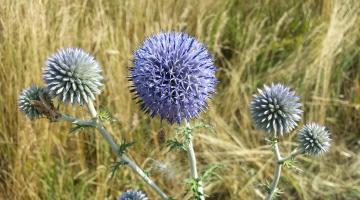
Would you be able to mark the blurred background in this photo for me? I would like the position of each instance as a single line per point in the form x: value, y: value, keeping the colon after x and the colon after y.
x: 310, y: 45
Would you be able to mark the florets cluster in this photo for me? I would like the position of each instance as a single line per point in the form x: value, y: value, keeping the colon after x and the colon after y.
x: 133, y: 195
x: 314, y: 139
x: 29, y: 99
x: 276, y: 109
x: 73, y: 75
x: 173, y: 76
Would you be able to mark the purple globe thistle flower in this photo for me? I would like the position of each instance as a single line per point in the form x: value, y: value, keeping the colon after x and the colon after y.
x: 73, y: 76
x: 276, y: 109
x: 314, y: 139
x: 133, y: 195
x: 28, y: 99
x: 173, y: 76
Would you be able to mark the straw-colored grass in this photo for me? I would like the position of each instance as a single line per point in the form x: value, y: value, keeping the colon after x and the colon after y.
x: 312, y: 46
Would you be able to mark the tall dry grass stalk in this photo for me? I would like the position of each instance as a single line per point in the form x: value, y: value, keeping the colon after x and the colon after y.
x: 311, y: 46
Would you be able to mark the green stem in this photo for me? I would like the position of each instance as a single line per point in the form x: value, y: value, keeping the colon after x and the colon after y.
x: 115, y: 148
x: 77, y: 121
x: 192, y: 161
x: 277, y: 172
x: 290, y: 156
x: 125, y: 158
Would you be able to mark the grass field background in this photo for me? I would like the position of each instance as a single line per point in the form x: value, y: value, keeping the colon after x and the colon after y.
x: 312, y: 46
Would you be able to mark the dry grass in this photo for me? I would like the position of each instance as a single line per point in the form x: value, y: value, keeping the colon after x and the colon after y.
x: 312, y: 46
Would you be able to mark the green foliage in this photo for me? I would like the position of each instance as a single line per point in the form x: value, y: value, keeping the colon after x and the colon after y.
x: 174, y: 144
x: 248, y: 51
x: 267, y: 187
x: 79, y: 127
x: 116, y: 166
x: 193, y: 186
x: 201, y: 125
x: 105, y: 116
x: 55, y: 174
x: 123, y: 147
x: 208, y: 175
x: 272, y: 141
x: 289, y: 163
x: 184, y: 135
x: 147, y: 172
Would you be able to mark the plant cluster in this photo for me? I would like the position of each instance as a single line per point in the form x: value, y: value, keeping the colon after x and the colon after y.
x: 173, y: 77
x: 277, y: 110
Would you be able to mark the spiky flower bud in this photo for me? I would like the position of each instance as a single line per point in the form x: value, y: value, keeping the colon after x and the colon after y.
x: 29, y: 99
x: 173, y: 76
x: 276, y: 109
x: 314, y: 139
x: 133, y: 195
x: 73, y: 76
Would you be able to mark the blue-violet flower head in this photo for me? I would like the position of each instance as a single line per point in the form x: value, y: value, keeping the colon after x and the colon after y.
x: 314, y: 139
x: 72, y: 75
x: 173, y: 76
x: 133, y: 195
x: 276, y: 109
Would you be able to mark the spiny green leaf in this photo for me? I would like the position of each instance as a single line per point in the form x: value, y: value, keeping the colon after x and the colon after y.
x: 289, y: 163
x: 210, y: 173
x: 78, y: 127
x: 267, y: 186
x: 116, y: 166
x: 147, y: 172
x: 182, y: 142
x: 272, y: 141
x: 175, y: 144
x: 123, y: 147
x: 200, y: 125
x: 105, y: 116
x: 193, y: 186
x: 184, y: 130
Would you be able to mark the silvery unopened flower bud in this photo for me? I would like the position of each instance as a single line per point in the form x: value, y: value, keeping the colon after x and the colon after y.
x: 314, y: 139
x: 276, y: 109
x: 133, y: 195
x: 73, y: 75
x: 29, y: 99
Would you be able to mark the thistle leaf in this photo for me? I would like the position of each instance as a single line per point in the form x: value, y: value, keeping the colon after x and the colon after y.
x: 105, y: 116
x: 123, y: 147
x: 79, y: 127
x: 116, y: 166
x: 174, y: 144
x: 210, y: 172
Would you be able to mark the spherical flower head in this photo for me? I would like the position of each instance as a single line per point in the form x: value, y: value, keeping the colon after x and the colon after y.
x: 314, y: 139
x: 133, y: 195
x: 27, y: 101
x: 173, y: 76
x: 73, y: 76
x: 276, y: 109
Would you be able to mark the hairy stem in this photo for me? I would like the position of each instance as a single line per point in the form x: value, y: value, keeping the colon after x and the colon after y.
x: 277, y: 172
x: 115, y: 149
x: 192, y: 160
